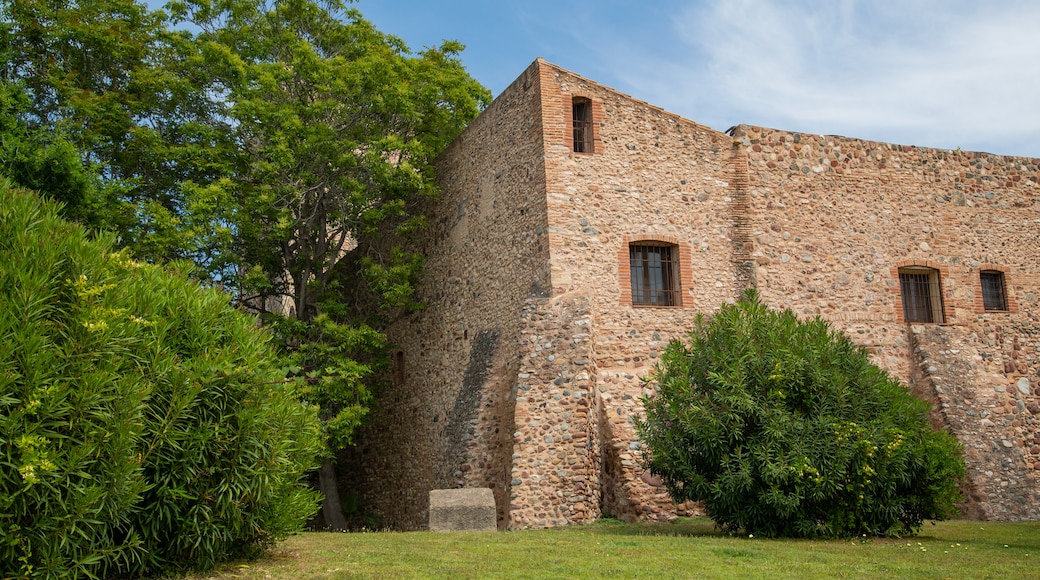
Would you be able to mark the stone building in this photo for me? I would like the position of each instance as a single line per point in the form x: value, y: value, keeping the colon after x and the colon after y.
x: 579, y: 230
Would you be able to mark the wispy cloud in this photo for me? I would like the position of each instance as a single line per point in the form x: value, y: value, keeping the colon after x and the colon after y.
x: 939, y: 73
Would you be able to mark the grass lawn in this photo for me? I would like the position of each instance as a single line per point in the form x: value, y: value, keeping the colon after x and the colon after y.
x: 688, y: 548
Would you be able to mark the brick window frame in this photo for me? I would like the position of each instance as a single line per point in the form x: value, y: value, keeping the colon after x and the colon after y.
x: 1010, y: 305
x: 681, y: 258
x: 594, y: 108
x: 581, y: 125
x: 941, y: 273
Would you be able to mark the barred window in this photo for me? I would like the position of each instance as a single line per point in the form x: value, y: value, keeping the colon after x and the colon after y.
x: 922, y: 294
x: 581, y: 112
x: 655, y: 274
x: 994, y: 295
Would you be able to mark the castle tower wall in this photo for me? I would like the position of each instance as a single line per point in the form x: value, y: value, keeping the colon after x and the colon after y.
x: 651, y: 177
x: 821, y: 225
x: 525, y: 372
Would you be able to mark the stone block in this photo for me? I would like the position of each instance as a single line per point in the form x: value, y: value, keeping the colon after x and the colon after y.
x: 462, y: 510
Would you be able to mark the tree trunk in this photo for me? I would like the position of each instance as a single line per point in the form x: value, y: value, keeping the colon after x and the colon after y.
x: 331, y: 507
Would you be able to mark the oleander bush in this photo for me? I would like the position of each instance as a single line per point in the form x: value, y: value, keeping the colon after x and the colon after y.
x: 783, y: 427
x: 145, y: 424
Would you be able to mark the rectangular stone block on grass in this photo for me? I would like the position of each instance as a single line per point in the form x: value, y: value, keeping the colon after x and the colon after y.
x: 462, y: 510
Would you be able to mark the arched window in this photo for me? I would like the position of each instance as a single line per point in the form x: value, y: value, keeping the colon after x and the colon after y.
x: 654, y: 271
x: 581, y: 113
x: 921, y: 290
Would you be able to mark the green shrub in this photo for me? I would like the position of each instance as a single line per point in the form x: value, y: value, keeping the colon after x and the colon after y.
x: 144, y: 423
x: 783, y: 427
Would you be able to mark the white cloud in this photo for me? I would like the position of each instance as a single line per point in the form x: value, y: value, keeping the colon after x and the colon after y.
x: 936, y: 73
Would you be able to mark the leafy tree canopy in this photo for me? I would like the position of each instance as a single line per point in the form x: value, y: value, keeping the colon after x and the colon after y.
x: 334, y: 127
x: 265, y: 141
x: 783, y: 427
x: 99, y: 82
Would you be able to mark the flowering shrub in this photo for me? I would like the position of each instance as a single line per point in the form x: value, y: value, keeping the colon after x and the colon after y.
x: 783, y: 427
x: 144, y: 424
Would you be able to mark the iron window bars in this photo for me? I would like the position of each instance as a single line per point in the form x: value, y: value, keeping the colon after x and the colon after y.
x: 994, y: 296
x: 582, y: 116
x: 922, y: 296
x: 654, y: 274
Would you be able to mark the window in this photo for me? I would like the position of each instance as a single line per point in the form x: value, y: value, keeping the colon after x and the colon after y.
x: 654, y: 271
x: 398, y: 367
x: 922, y: 294
x: 655, y: 274
x: 994, y: 296
x: 581, y: 112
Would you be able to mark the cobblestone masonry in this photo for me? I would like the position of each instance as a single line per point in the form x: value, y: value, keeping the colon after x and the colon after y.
x: 525, y: 372
x: 449, y: 423
x: 556, y: 466
x: 992, y: 418
x: 834, y: 219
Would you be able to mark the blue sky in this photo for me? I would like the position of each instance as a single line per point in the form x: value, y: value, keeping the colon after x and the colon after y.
x: 935, y: 73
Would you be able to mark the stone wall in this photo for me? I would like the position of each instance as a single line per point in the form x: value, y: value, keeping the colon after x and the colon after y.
x: 556, y: 462
x: 994, y: 420
x: 525, y: 372
x: 447, y: 423
x: 834, y: 219
x: 818, y: 224
x: 652, y: 176
x: 834, y: 216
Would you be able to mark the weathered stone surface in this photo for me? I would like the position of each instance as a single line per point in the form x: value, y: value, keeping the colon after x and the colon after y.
x: 448, y: 422
x: 525, y: 372
x: 998, y: 467
x: 462, y: 510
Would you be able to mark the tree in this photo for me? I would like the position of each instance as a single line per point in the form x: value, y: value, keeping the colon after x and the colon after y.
x: 42, y: 160
x: 336, y: 126
x: 783, y: 427
x: 265, y: 141
x: 145, y: 424
x: 107, y: 90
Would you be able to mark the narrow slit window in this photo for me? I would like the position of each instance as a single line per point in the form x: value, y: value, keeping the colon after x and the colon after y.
x: 398, y: 364
x: 922, y: 294
x: 994, y: 294
x: 581, y: 113
x: 654, y: 273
